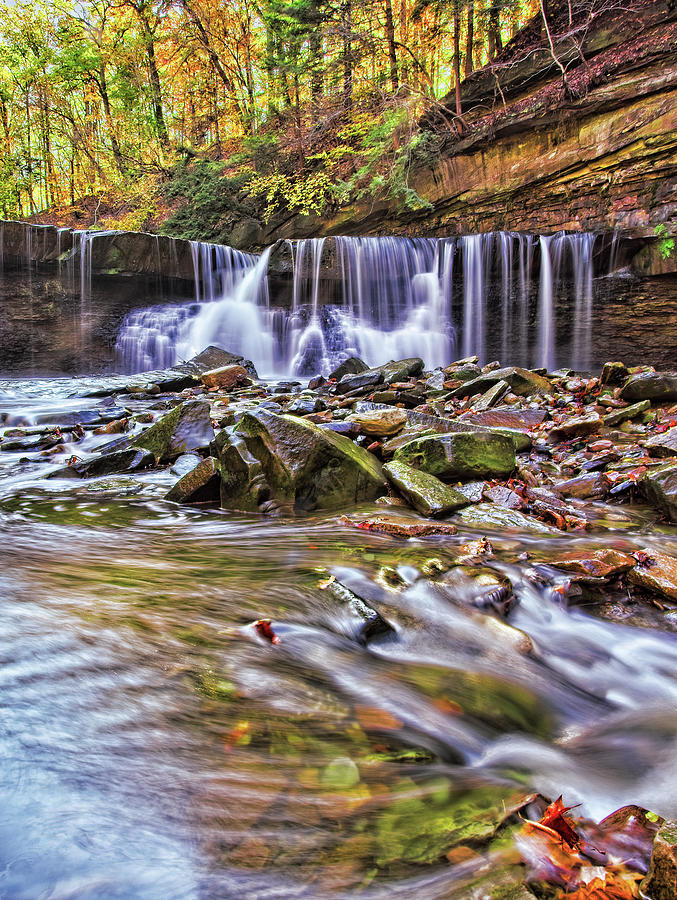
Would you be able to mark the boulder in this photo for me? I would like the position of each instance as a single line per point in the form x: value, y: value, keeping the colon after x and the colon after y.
x: 243, y: 483
x: 427, y: 494
x: 309, y: 466
x: 464, y: 455
x: 661, y: 879
x: 657, y: 573
x: 627, y: 412
x: 491, y: 397
x: 187, y: 427
x: 350, y: 366
x: 659, y: 486
x: 389, y: 373
x: 201, y: 485
x: 364, y: 622
x: 522, y: 382
x: 305, y: 406
x: 658, y: 386
x: 215, y: 358
x: 380, y: 422
x: 226, y: 377
x: 663, y: 445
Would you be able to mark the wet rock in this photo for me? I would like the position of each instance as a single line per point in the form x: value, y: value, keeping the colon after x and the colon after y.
x: 401, y: 370
x: 243, y: 483
x: 77, y: 417
x: 506, y: 417
x: 661, y: 879
x: 659, y: 486
x: 493, y: 516
x: 604, y: 563
x: 363, y: 381
x: 380, y: 422
x: 201, y: 485
x: 663, y: 445
x: 216, y: 358
x: 400, y: 526
x: 367, y: 623
x: 185, y: 463
x: 503, y: 496
x: 658, y: 386
x: 351, y: 366
x: 187, y: 427
x: 575, y: 427
x: 590, y: 486
x: 304, y: 406
x: 491, y: 397
x: 626, y: 413
x: 613, y: 373
x: 522, y: 382
x: 464, y: 455
x: 427, y: 494
x: 225, y: 378
x: 435, y: 381
x: 309, y: 466
x: 131, y: 460
x: 657, y: 572
x: 350, y: 429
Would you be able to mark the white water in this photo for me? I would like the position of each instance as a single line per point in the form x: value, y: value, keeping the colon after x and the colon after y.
x: 525, y: 299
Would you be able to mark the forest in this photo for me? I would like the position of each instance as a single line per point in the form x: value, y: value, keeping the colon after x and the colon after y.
x: 303, y: 103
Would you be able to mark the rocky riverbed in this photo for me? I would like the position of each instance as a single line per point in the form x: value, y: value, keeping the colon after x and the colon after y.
x: 504, y: 483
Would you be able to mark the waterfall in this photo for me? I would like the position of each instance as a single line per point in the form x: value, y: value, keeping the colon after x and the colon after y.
x: 378, y: 298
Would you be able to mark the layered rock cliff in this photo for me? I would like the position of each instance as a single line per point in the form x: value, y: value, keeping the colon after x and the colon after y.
x: 535, y: 151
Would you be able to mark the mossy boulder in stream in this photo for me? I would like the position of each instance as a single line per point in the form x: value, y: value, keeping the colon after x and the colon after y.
x: 187, y: 427
x: 243, y: 483
x: 200, y: 485
x: 464, y: 455
x: 308, y: 466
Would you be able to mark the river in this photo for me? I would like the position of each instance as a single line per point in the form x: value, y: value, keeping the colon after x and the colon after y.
x: 154, y: 745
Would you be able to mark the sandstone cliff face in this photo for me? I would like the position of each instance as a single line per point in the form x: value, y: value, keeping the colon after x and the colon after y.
x: 534, y: 154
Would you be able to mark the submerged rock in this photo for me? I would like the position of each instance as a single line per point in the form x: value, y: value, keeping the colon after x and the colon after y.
x: 464, y: 455
x: 309, y: 466
x: 187, y: 427
x: 605, y: 563
x: 491, y: 515
x: 366, y: 623
x: 130, y: 460
x: 427, y: 494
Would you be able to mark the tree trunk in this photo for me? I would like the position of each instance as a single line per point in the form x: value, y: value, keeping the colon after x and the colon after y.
x: 110, y: 124
x: 457, y: 57
x: 390, y: 37
x: 470, y: 39
x: 347, y: 26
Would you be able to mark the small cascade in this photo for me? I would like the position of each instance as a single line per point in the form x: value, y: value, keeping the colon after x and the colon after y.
x: 519, y: 298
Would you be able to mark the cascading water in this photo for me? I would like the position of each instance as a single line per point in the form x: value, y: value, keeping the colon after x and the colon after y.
x: 525, y: 299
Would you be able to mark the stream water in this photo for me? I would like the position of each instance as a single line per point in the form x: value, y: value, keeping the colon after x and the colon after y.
x: 154, y: 746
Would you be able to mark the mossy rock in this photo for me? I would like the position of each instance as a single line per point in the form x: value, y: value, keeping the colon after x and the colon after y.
x: 187, y: 427
x: 308, y: 466
x: 464, y: 455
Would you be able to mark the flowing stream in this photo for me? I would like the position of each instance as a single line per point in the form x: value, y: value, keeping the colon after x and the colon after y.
x: 154, y: 746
